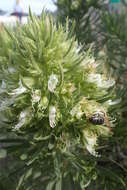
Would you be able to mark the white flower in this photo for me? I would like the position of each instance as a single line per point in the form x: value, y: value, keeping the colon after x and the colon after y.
x: 91, y: 143
x: 3, y: 85
x: 52, y: 82
x: 73, y: 111
x: 97, y: 78
x: 89, y: 63
x: 20, y: 90
x: 52, y: 116
x: 94, y: 78
x: 110, y: 102
x: 11, y: 70
x: 36, y: 96
x: 108, y: 83
x: 76, y: 112
x: 79, y: 114
x: 22, y: 119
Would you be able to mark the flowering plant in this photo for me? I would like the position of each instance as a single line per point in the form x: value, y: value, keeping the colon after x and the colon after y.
x: 51, y: 99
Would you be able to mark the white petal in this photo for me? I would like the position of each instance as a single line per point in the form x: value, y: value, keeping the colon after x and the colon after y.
x: 108, y: 83
x: 91, y: 143
x: 3, y: 85
x: 52, y: 116
x: 98, y: 79
x: 110, y: 102
x: 52, y: 82
x: 76, y: 112
x: 20, y: 90
x: 94, y: 78
x: 36, y: 96
x: 22, y: 119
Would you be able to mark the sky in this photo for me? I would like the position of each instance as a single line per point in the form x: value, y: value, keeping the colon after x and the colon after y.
x: 36, y: 5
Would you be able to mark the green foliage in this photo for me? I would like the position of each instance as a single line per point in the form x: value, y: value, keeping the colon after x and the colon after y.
x: 115, y: 27
x: 111, y: 29
x: 48, y: 93
x: 116, y: 59
x: 87, y: 17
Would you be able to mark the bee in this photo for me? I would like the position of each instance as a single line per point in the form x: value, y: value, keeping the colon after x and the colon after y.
x: 99, y: 118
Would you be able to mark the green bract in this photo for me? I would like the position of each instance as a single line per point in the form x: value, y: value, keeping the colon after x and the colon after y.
x: 48, y: 93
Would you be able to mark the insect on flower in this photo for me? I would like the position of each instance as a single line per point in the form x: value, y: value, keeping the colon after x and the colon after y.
x: 99, y: 118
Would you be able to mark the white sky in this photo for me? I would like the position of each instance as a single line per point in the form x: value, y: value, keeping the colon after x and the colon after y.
x: 36, y: 5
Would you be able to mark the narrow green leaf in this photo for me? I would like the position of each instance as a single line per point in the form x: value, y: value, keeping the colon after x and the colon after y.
x: 59, y: 184
x: 50, y: 185
x: 20, y: 182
